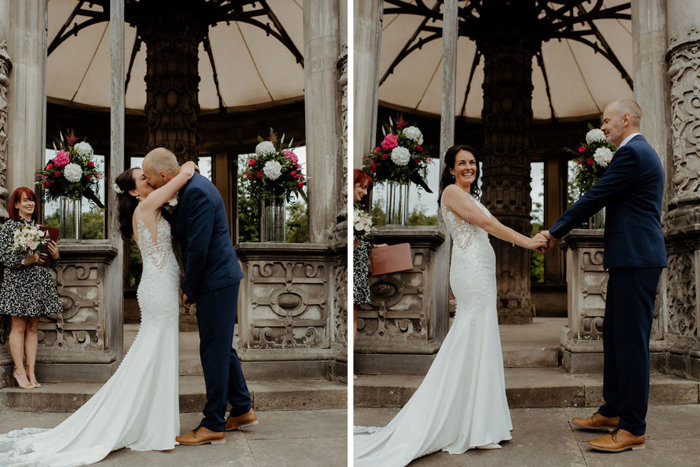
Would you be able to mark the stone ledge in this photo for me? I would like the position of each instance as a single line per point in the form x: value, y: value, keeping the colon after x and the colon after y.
x: 529, y: 387
x: 266, y: 395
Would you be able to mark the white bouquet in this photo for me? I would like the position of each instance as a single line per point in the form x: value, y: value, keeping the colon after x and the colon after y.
x: 362, y: 223
x: 28, y: 238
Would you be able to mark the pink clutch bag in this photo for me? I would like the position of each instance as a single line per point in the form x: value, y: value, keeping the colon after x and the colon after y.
x: 391, y: 259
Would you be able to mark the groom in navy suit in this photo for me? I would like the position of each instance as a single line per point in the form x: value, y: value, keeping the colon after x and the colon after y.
x: 212, y: 276
x: 635, y: 253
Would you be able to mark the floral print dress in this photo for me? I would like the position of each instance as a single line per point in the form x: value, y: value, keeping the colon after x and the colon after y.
x: 26, y: 290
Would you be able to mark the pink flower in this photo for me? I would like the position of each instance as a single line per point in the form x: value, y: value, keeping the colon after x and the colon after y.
x: 377, y: 149
x: 291, y: 155
x: 293, y: 174
x: 57, y: 173
x: 251, y: 161
x: 62, y: 159
x: 100, y: 176
x: 385, y: 157
x: 47, y: 184
x: 50, y: 166
x: 298, y: 167
x: 374, y: 167
x: 260, y: 174
x: 71, y: 139
x: 301, y: 185
x: 390, y: 142
x: 582, y: 149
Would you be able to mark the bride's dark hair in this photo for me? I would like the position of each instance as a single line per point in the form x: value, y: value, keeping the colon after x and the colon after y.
x: 448, y: 179
x: 126, y: 203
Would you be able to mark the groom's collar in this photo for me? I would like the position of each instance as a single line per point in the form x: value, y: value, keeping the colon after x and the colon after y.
x: 628, y: 139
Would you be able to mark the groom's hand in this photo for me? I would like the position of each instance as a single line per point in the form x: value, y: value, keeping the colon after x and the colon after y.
x: 551, y: 241
x: 187, y: 301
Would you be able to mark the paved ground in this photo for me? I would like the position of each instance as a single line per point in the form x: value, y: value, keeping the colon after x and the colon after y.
x: 283, y: 438
x: 544, y: 438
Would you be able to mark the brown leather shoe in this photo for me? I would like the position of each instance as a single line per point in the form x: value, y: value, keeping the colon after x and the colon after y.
x: 246, y: 420
x: 618, y: 440
x: 596, y: 422
x: 201, y: 436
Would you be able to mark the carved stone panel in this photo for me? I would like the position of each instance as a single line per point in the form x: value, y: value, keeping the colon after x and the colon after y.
x: 286, y: 300
x: 682, y: 292
x: 5, y: 69
x: 401, y: 317
x: 81, y: 332
x: 684, y: 72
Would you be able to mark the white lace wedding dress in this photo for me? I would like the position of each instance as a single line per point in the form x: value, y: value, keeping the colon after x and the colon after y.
x: 138, y: 407
x: 461, y: 403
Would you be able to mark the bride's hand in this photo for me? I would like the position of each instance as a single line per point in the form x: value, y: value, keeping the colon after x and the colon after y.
x: 539, y: 243
x: 190, y: 167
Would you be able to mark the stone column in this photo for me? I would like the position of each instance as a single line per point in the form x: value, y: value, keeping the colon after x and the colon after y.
x: 26, y: 44
x: 555, y: 203
x: 172, y: 33
x: 115, y: 276
x: 322, y: 101
x: 367, y: 43
x: 507, y: 118
x: 5, y: 70
x: 682, y: 226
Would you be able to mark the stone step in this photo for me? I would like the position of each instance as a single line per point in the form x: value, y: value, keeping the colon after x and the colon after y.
x: 544, y: 357
x: 529, y: 387
x: 266, y: 395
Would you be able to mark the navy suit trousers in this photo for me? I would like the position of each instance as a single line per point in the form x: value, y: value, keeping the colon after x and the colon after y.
x: 629, y: 312
x: 216, y: 318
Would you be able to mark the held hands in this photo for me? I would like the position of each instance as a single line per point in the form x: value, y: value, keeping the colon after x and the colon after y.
x: 550, y: 241
x: 539, y: 243
x: 187, y: 301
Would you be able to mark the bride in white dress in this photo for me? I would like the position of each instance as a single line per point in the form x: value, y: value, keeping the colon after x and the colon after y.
x: 461, y: 404
x: 138, y: 407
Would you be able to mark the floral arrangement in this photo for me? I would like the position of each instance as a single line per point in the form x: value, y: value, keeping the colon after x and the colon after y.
x: 400, y: 157
x: 274, y: 170
x: 28, y: 237
x: 594, y: 156
x: 362, y: 223
x: 72, y: 172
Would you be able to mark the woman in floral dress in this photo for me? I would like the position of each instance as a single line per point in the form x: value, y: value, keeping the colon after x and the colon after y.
x: 362, y: 184
x: 28, y: 291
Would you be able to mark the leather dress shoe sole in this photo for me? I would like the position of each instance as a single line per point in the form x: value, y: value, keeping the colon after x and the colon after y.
x: 595, y: 428
x: 245, y: 425
x: 631, y: 447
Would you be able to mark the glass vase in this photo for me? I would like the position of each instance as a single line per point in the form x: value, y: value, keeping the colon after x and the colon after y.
x: 272, y: 219
x: 397, y: 203
x: 70, y: 229
x: 597, y: 220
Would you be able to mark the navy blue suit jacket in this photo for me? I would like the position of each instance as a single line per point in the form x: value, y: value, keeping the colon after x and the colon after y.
x: 200, y: 225
x: 632, y: 190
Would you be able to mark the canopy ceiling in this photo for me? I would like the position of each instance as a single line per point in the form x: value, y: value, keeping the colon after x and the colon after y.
x: 587, y: 57
x: 258, y: 55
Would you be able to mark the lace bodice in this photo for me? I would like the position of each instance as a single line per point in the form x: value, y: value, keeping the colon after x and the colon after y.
x: 160, y: 280
x: 463, y: 232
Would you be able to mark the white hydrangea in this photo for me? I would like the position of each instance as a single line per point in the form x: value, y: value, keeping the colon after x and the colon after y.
x: 414, y: 134
x: 603, y: 156
x: 272, y: 169
x: 400, y: 155
x: 73, y: 172
x: 264, y: 148
x: 595, y: 135
x: 83, y: 149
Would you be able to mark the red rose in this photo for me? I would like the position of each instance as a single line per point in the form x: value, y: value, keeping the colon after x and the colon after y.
x: 50, y: 166
x: 47, y: 184
x: 90, y: 164
x: 298, y: 167
x: 582, y: 149
x: 260, y: 174
x: 590, y: 161
x: 417, y: 161
x: 251, y: 161
x: 57, y: 173
x: 377, y: 149
x: 374, y: 167
x: 301, y: 185
x: 293, y: 174
x: 419, y: 149
x: 88, y: 177
x: 385, y: 157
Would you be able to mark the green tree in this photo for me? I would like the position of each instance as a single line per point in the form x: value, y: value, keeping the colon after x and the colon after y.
x: 297, y: 223
x: 419, y: 218
x: 536, y: 258
x: 93, y: 223
x: 248, y: 215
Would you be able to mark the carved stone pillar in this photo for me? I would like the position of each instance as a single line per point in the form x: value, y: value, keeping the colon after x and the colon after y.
x: 5, y: 69
x: 507, y: 117
x: 682, y: 226
x: 172, y: 35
